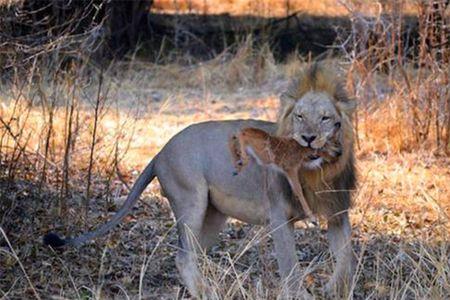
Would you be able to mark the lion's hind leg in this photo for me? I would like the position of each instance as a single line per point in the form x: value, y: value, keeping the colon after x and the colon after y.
x: 213, y: 223
x: 189, y: 208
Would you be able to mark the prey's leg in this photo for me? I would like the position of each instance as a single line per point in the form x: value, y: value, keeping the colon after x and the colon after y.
x: 294, y: 181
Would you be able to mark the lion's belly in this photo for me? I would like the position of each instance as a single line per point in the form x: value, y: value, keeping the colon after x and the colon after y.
x: 251, y: 210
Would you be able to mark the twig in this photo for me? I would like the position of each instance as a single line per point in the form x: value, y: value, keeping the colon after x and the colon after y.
x: 94, y: 140
x: 66, y: 163
x: 14, y: 254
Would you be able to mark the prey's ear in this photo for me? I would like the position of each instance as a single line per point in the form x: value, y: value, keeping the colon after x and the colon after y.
x: 253, y: 154
x: 346, y: 107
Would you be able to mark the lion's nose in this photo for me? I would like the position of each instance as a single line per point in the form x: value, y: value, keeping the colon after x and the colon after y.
x: 309, y: 139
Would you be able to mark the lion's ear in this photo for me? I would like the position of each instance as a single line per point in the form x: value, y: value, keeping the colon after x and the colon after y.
x: 347, y: 107
x: 286, y: 111
x: 287, y: 103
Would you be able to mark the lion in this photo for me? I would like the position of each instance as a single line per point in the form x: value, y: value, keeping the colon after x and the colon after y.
x: 315, y: 103
x: 283, y: 154
x: 195, y: 172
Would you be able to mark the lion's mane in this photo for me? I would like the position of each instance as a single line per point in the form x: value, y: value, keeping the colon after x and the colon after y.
x: 328, y: 190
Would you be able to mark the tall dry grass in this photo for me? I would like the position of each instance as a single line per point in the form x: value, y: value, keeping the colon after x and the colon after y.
x: 397, y: 81
x: 80, y: 131
x: 268, y: 8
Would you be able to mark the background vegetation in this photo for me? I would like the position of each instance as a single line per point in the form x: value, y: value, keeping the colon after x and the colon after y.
x: 90, y: 91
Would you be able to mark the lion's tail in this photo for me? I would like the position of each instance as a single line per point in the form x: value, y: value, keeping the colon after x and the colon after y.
x: 144, y: 179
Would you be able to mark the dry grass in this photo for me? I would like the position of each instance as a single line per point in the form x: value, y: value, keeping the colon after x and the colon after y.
x: 268, y: 8
x: 401, y: 206
x: 401, y: 213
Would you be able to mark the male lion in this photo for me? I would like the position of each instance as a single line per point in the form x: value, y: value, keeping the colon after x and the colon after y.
x: 280, y: 153
x: 196, y: 175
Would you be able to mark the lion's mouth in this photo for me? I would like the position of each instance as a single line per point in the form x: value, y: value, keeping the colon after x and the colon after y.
x: 313, y: 156
x: 314, y: 164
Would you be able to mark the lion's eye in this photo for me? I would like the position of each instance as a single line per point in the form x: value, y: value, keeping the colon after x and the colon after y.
x: 325, y: 118
x: 299, y: 116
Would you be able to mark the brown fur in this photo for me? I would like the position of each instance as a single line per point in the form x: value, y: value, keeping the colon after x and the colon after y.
x: 328, y: 189
x: 285, y: 153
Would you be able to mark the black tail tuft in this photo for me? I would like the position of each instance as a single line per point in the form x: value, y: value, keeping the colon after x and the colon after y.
x: 53, y: 240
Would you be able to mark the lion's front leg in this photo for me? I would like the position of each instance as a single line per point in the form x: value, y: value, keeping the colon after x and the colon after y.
x: 339, y: 238
x: 283, y: 236
x: 280, y: 227
x: 284, y: 242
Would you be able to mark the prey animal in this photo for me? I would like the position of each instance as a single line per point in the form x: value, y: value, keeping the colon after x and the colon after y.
x: 283, y: 154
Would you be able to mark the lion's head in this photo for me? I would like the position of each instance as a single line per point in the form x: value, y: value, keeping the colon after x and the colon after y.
x: 314, y: 106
